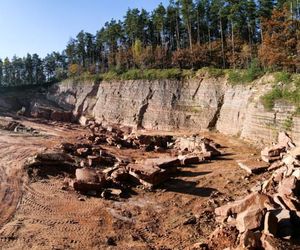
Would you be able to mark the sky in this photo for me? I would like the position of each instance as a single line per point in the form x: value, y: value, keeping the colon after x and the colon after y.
x: 43, y: 26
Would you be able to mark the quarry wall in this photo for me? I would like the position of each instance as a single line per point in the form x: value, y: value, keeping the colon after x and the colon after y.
x: 196, y: 104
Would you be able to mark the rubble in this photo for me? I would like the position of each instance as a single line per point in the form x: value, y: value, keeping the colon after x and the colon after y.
x: 197, y: 144
x: 17, y: 127
x: 269, y: 210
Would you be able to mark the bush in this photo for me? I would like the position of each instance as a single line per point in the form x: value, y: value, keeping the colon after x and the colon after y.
x: 269, y: 99
x: 254, y: 71
x: 288, y: 92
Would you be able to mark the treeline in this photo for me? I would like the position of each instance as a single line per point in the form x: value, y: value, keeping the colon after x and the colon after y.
x: 187, y: 34
x: 32, y: 70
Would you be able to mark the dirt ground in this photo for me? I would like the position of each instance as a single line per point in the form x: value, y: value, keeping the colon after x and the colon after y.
x: 178, y: 214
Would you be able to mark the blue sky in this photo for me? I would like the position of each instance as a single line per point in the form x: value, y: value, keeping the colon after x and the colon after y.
x: 43, y: 26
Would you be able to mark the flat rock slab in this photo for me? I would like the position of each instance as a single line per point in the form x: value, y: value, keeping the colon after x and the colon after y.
x: 253, y: 166
x: 164, y: 162
x: 150, y: 175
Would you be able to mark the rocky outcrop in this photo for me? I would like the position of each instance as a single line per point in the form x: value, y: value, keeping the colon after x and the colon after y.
x: 196, y: 104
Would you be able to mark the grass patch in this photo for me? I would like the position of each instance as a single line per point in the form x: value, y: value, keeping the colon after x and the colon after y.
x: 212, y: 72
x: 283, y: 77
x: 245, y: 76
x: 289, y: 92
x: 138, y: 74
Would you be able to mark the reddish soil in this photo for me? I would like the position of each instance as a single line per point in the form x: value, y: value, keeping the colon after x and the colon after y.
x: 41, y: 215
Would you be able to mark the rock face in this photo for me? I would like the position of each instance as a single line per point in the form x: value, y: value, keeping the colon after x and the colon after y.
x: 196, y: 104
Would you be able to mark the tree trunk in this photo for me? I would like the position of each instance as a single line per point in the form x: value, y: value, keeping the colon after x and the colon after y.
x: 222, y: 42
x: 198, y: 27
x: 177, y: 33
x: 261, y: 32
x: 232, y: 43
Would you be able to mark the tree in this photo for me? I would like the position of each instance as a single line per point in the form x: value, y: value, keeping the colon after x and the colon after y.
x: 137, y: 50
x: 7, y: 72
x: 173, y: 25
x: 80, y: 48
x: 279, y: 47
x: 264, y: 12
x: 186, y: 11
x: 38, y: 70
x: 71, y: 51
x: 131, y: 25
x: 159, y: 20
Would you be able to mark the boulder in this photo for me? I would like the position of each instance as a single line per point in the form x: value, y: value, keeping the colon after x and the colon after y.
x: 85, y: 187
x: 250, y: 240
x: 254, y: 199
x: 253, y: 166
x: 87, y: 175
x: 88, y: 179
x: 190, y: 159
x: 54, y: 157
x: 271, y: 154
x: 119, y: 175
x: 288, y: 186
x: 163, y: 162
x: 210, y: 148
x: 150, y: 174
x: 249, y: 219
x: 275, y: 165
x: 285, y: 141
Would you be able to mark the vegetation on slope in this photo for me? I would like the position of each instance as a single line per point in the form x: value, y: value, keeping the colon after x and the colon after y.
x: 287, y: 89
x: 186, y: 34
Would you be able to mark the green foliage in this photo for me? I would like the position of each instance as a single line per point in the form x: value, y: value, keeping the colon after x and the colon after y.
x: 254, y: 71
x: 212, y: 72
x: 235, y: 76
x: 288, y: 123
x: 269, y: 99
x: 289, y: 92
x: 282, y: 77
x: 246, y: 76
x: 109, y: 76
x: 138, y: 74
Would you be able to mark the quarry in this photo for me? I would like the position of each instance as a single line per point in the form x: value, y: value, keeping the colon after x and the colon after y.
x: 149, y: 164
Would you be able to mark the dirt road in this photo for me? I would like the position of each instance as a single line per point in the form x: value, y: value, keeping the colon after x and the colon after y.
x: 41, y: 215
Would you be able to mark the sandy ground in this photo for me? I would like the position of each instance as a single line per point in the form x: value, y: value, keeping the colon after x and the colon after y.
x: 41, y: 215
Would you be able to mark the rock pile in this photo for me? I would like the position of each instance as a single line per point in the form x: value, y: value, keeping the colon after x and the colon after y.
x: 273, y: 209
x: 197, y: 144
x: 17, y: 127
x: 122, y: 137
x: 99, y: 166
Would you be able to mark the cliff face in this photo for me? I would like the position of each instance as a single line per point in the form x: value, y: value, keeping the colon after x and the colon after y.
x: 197, y: 104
